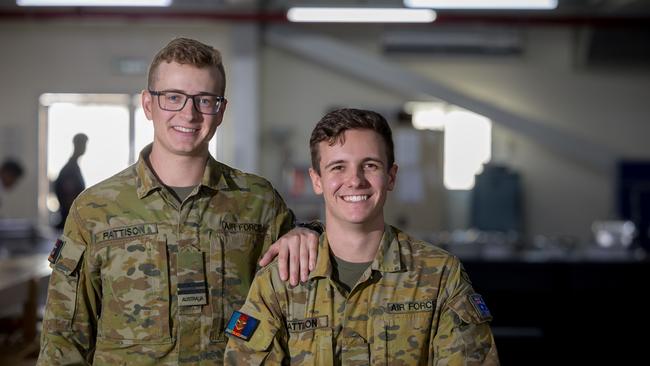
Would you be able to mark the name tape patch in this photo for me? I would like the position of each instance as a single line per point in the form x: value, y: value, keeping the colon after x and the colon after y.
x: 242, y: 325
x: 56, y: 251
x: 126, y: 232
x: 480, y: 306
x: 301, y: 325
x: 410, y: 306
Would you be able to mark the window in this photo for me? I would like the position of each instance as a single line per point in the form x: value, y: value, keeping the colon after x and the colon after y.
x: 468, y: 139
x: 116, y: 132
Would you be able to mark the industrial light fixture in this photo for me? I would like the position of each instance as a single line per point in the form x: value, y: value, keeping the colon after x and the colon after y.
x: 360, y: 15
x: 152, y: 3
x: 483, y: 4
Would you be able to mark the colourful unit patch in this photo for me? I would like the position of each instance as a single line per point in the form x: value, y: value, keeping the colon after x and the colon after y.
x: 54, y: 254
x: 480, y: 306
x: 242, y: 325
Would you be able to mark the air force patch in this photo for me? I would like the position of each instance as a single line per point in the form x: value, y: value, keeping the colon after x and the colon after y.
x: 480, y: 306
x: 242, y: 325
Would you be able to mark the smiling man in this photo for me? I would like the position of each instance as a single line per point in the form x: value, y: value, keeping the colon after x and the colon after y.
x: 153, y: 260
x: 377, y: 296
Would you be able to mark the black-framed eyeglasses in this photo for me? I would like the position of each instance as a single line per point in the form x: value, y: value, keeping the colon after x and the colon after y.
x: 175, y: 101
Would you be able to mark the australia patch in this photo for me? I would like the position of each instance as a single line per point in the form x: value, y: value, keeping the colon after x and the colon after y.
x: 480, y: 306
x: 56, y: 251
x: 242, y: 325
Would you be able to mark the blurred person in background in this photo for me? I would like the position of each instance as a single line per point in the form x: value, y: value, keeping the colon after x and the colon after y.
x: 70, y: 181
x: 10, y: 173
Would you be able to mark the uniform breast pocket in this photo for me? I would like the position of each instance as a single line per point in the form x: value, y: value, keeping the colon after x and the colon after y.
x: 403, y: 337
x: 312, y: 347
x: 135, y: 306
x: 231, y: 268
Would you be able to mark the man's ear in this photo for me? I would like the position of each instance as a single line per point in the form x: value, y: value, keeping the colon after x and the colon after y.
x: 315, y: 181
x: 147, y: 100
x: 392, y: 176
x: 222, y: 110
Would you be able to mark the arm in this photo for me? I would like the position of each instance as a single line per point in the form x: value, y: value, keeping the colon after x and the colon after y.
x: 267, y: 343
x: 296, y: 249
x: 463, y: 336
x: 69, y: 324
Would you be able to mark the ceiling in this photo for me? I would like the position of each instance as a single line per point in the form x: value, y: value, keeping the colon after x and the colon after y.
x: 571, y: 11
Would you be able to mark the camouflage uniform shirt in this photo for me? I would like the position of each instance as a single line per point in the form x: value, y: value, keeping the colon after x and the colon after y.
x: 412, y: 306
x: 131, y: 254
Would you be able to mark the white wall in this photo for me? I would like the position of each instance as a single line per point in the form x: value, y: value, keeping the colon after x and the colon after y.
x: 75, y: 57
x: 562, y: 197
x: 607, y: 107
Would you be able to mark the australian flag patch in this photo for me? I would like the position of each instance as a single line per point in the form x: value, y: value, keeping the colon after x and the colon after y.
x: 480, y: 306
x: 242, y: 325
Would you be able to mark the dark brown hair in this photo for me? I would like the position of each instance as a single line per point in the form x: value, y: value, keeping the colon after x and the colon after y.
x: 332, y: 126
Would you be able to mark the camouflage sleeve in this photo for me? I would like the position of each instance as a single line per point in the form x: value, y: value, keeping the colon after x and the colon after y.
x: 463, y: 336
x: 69, y: 323
x: 265, y: 345
x: 284, y: 218
x: 281, y: 222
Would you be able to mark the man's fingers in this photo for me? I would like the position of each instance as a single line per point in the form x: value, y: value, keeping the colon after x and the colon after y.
x: 294, y: 262
x: 269, y: 255
x: 313, y: 252
x: 283, y: 258
x: 304, y: 263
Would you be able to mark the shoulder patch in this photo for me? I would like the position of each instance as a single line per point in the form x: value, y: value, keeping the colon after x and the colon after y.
x: 242, y: 325
x: 56, y: 251
x: 480, y: 306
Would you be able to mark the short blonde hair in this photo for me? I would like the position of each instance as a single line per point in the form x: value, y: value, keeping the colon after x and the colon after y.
x: 190, y: 52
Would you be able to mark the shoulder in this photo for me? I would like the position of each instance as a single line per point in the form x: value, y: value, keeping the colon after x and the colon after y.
x: 112, y: 187
x: 420, y: 247
x: 245, y: 181
x: 421, y: 254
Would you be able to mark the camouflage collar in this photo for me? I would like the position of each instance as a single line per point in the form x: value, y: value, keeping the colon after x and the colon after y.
x: 387, y: 259
x: 389, y: 255
x: 215, y: 176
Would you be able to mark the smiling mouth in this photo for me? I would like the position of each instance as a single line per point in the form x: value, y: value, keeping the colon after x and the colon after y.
x: 355, y: 198
x: 185, y: 129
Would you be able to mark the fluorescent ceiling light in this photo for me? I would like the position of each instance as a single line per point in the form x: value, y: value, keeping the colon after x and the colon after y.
x: 482, y: 4
x: 361, y: 15
x: 93, y: 2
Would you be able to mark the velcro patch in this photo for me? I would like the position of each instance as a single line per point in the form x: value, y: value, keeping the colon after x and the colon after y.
x: 56, y: 251
x: 301, y: 325
x: 126, y: 232
x: 410, y: 306
x: 480, y: 306
x: 242, y: 325
x: 192, y: 293
x: 243, y: 227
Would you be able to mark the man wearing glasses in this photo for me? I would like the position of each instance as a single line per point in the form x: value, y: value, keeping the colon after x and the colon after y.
x: 153, y: 259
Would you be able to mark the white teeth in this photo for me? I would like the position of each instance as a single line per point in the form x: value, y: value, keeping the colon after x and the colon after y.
x: 184, y: 129
x: 356, y: 198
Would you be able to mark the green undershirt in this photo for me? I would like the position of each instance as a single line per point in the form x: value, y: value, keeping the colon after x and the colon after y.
x: 347, y: 273
x: 181, y: 193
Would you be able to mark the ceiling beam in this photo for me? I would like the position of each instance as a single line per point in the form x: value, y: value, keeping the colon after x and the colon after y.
x: 373, y: 69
